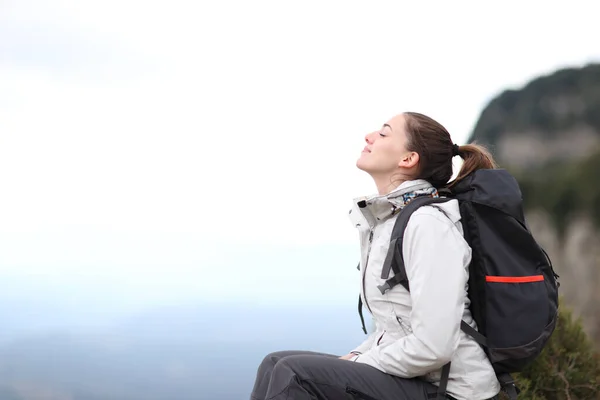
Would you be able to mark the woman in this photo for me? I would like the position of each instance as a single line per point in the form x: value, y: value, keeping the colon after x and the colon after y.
x: 417, y: 332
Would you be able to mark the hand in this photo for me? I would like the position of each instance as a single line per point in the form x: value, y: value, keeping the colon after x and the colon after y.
x: 348, y: 356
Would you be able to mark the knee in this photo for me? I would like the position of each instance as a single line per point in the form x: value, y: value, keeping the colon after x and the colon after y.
x: 268, y: 368
x: 283, y: 373
x: 272, y: 359
x: 292, y: 364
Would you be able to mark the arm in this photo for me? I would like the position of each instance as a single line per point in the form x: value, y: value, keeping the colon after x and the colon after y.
x: 365, y: 345
x: 434, y: 254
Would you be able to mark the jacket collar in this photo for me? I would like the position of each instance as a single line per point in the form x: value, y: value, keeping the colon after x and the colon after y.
x: 379, y: 207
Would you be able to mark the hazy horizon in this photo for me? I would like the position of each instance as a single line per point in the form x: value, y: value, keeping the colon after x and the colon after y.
x: 194, y: 351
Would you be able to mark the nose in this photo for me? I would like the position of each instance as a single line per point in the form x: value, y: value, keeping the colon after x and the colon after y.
x: 369, y: 138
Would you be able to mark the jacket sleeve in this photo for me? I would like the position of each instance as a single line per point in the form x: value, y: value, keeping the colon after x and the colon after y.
x: 435, y: 255
x: 365, y: 345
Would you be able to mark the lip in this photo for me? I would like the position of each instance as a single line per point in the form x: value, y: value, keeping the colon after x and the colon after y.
x: 366, y: 150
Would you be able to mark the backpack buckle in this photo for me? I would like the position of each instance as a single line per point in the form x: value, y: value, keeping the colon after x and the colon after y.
x: 508, y: 386
x: 384, y: 288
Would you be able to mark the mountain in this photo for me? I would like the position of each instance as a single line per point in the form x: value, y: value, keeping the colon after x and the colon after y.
x: 552, y: 119
x: 548, y: 135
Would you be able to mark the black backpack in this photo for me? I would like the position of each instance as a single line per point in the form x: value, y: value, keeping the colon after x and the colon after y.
x: 512, y: 286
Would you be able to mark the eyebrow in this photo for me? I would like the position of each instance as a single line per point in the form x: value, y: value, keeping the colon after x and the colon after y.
x: 384, y: 125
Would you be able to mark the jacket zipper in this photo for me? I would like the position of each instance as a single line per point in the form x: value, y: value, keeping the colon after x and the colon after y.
x: 404, y: 327
x: 365, y: 271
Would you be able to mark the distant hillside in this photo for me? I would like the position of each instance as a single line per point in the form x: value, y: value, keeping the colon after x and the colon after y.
x: 548, y: 135
x: 553, y: 118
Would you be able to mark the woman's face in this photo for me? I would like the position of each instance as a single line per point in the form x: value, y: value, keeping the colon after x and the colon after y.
x: 385, y: 150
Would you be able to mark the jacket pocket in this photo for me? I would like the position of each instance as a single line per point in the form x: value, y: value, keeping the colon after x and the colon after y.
x: 380, y: 337
x: 358, y: 394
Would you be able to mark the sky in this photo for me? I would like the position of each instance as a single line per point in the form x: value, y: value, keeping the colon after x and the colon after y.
x: 143, y: 143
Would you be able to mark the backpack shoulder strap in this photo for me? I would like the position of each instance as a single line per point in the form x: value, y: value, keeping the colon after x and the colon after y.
x: 394, y: 260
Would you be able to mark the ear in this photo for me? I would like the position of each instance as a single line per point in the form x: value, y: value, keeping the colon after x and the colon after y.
x: 409, y: 160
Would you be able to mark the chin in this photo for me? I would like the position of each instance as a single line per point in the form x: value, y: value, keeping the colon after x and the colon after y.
x: 359, y: 164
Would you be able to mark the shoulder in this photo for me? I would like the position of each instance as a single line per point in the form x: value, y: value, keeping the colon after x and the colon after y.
x: 444, y: 214
x: 435, y: 223
x: 434, y: 235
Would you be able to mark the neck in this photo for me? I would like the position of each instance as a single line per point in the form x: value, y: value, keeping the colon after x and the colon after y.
x: 386, y: 183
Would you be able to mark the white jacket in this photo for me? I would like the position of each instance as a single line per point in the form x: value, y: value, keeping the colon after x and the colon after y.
x: 418, y: 332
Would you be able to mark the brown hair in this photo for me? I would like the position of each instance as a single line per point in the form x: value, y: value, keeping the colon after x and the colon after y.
x: 433, y: 143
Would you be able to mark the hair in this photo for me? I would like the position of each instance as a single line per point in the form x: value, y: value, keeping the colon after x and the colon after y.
x: 433, y: 143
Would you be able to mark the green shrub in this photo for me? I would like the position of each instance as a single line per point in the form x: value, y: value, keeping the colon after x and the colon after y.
x: 567, y: 369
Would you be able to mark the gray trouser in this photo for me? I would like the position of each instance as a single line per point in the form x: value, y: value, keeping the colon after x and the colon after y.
x: 301, y: 375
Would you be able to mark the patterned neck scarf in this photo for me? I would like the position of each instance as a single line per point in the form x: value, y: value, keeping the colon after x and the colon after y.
x: 384, y: 206
x: 401, y: 201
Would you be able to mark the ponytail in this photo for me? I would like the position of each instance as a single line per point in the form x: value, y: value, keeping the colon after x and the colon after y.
x: 475, y: 157
x: 432, y: 142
